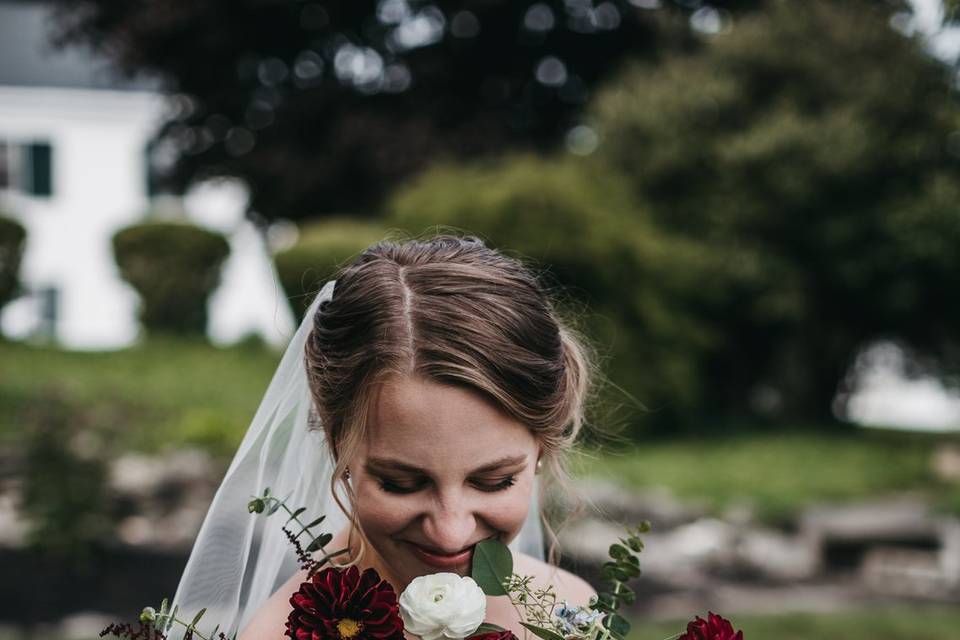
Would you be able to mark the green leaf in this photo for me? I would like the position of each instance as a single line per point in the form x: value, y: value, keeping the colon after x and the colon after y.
x: 164, y: 607
x: 635, y: 544
x: 488, y: 627
x: 274, y: 505
x: 315, y: 522
x: 540, y: 632
x: 293, y: 516
x: 266, y: 492
x: 617, y: 624
x: 606, y: 602
x: 196, y: 618
x: 320, y: 541
x: 172, y: 617
x: 619, y: 552
x: 626, y: 595
x: 612, y: 571
x: 603, y: 607
x: 492, y: 566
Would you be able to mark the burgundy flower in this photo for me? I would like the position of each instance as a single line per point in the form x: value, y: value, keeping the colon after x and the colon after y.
x: 506, y: 634
x: 343, y: 604
x: 713, y: 628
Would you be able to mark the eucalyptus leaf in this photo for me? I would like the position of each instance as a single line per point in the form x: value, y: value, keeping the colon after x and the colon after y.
x: 320, y: 541
x: 488, y: 627
x: 293, y: 516
x: 196, y: 618
x: 315, y: 522
x: 617, y: 624
x: 492, y: 566
x: 635, y: 544
x: 619, y: 552
x: 626, y: 595
x: 540, y: 632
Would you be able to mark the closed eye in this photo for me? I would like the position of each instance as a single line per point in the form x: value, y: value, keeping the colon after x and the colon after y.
x: 392, y: 486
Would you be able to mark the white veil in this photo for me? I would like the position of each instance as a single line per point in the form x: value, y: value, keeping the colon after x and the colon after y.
x: 239, y: 559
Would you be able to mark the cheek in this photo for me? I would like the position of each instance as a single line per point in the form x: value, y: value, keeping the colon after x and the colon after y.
x: 507, y: 511
x: 380, y: 512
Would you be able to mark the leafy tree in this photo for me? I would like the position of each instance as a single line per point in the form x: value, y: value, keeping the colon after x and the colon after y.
x: 818, y: 147
x: 322, y: 107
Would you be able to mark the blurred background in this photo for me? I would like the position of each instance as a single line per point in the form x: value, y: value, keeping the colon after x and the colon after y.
x: 752, y: 207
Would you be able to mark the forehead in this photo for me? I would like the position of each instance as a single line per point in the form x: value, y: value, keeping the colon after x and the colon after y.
x: 429, y: 424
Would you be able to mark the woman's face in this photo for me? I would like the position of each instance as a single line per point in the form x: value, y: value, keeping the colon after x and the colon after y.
x: 441, y: 468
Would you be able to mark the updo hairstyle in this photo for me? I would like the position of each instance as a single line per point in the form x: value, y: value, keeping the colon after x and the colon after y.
x: 451, y: 310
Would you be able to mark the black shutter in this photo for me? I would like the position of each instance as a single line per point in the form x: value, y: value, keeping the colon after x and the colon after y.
x: 38, y: 168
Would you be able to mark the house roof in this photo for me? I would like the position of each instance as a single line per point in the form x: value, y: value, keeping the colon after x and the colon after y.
x: 28, y: 58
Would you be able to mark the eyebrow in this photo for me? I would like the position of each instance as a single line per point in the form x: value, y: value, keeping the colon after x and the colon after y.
x: 398, y: 465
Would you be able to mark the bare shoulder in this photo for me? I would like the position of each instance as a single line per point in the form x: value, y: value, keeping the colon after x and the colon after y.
x: 566, y: 585
x: 269, y: 622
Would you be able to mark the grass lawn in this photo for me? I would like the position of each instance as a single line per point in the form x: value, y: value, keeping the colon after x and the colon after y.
x: 165, y: 392
x: 895, y: 623
x: 779, y: 472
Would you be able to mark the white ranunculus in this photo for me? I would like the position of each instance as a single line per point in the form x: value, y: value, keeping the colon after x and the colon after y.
x: 442, y: 606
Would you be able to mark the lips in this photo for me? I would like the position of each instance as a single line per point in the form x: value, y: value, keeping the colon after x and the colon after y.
x: 441, y: 560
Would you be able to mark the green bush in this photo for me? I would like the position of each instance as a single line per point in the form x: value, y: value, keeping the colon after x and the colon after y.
x: 174, y: 267
x: 782, y: 140
x: 64, y: 501
x: 323, y: 246
x: 581, y: 225
x: 12, y: 239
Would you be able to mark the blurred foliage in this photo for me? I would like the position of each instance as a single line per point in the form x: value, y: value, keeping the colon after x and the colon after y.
x: 772, y: 472
x: 12, y: 239
x: 139, y: 399
x: 64, y: 497
x: 365, y: 94
x: 174, y: 267
x: 896, y: 622
x: 630, y: 286
x: 321, y: 248
x: 818, y: 147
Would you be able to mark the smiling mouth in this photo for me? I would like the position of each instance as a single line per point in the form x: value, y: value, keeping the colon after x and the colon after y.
x: 443, y: 560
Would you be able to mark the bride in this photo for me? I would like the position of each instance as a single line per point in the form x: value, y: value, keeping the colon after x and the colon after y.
x: 429, y: 389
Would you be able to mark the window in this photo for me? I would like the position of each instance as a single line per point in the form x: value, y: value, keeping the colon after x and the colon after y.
x: 26, y: 167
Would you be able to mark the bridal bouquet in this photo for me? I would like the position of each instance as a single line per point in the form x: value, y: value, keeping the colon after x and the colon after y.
x: 337, y: 603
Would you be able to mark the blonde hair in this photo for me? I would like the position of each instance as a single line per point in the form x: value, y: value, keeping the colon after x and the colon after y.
x: 454, y: 311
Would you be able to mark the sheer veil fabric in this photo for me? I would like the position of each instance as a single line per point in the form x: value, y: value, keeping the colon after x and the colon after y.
x: 239, y: 559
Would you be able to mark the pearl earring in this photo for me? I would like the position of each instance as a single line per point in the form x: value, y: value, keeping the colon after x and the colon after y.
x: 539, y: 465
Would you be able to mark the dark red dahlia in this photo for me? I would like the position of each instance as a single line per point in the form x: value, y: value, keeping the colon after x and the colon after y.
x: 343, y: 604
x: 506, y: 634
x: 713, y: 628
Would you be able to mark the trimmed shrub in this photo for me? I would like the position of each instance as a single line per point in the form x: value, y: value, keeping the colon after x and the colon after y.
x: 323, y: 246
x: 174, y: 267
x: 12, y: 240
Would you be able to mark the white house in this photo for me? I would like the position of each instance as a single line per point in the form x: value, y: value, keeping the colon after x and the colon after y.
x: 73, y: 170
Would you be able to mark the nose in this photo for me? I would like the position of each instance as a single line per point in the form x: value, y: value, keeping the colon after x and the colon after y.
x: 450, y: 524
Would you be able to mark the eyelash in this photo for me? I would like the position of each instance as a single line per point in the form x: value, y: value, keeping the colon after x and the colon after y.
x: 503, y: 485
